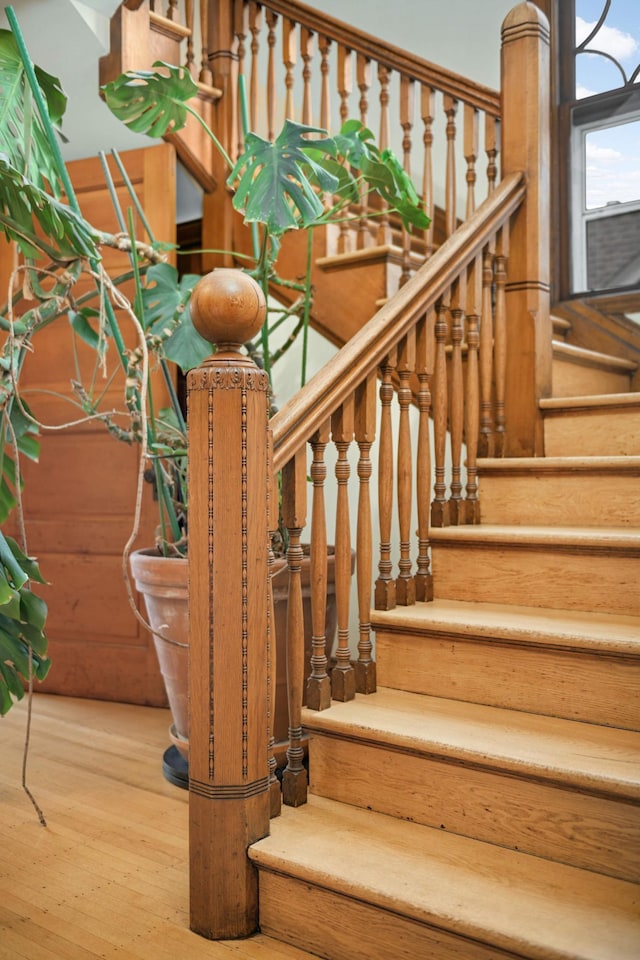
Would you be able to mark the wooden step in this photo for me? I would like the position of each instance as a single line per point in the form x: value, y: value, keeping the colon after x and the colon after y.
x: 602, y: 426
x: 555, y: 662
x: 553, y: 788
x: 579, y: 371
x: 350, y: 883
x: 563, y: 568
x: 580, y: 491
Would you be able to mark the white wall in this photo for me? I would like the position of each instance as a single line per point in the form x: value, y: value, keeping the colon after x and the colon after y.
x: 462, y: 35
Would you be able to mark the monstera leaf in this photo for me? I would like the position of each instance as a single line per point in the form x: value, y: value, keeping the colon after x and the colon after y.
x: 151, y: 101
x: 166, y: 308
x: 22, y: 621
x: 22, y: 135
x: 383, y: 173
x: 39, y: 223
x: 274, y: 180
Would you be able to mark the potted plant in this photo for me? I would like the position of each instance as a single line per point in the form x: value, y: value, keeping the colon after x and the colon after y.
x: 303, y: 179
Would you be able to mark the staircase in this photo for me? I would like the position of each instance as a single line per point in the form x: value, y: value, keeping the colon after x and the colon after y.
x: 484, y: 802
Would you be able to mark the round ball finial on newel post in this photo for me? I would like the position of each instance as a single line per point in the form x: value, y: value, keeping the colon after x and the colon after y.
x: 229, y: 619
x: 228, y: 308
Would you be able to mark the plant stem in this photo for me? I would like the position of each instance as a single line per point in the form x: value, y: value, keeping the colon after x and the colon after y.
x: 307, y: 309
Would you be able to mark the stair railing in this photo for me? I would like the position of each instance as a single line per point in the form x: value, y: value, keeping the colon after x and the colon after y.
x: 483, y: 293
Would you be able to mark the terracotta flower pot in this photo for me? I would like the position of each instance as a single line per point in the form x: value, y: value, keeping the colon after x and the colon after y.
x: 163, y: 583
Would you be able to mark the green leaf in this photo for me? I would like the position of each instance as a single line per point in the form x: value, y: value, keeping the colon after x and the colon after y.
x: 80, y: 321
x: 151, y: 102
x: 33, y: 609
x: 185, y: 346
x: 383, y: 172
x: 39, y: 223
x: 8, y: 500
x: 22, y: 135
x: 27, y: 564
x: 8, y: 597
x: 12, y: 564
x: 25, y: 430
x: 166, y: 311
x: 272, y: 180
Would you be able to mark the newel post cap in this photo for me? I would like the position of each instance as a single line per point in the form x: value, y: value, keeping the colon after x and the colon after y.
x: 228, y: 308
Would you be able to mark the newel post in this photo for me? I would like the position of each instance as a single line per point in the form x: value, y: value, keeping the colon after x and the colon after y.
x: 228, y: 633
x: 526, y: 147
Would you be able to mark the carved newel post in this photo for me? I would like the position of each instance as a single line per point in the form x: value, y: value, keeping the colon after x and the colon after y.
x: 229, y: 622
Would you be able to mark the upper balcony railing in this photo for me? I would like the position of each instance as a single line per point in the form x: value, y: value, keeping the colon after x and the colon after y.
x: 301, y: 64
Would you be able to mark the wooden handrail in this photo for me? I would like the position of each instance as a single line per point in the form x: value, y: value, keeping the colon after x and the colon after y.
x: 380, y: 51
x: 305, y: 413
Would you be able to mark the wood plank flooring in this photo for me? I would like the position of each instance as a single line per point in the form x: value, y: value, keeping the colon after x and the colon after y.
x: 108, y: 876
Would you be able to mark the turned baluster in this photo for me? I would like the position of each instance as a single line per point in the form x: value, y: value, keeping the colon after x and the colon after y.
x: 439, y: 505
x: 273, y: 511
x: 471, y: 154
x: 306, y: 52
x: 427, y: 112
x: 205, y: 75
x: 424, y: 366
x: 450, y: 108
x: 343, y: 680
x: 172, y: 9
x: 272, y: 20
x: 384, y: 77
x: 405, y: 586
x: 294, y: 508
x: 385, y: 591
x: 255, y: 26
x: 472, y: 406
x: 289, y: 54
x: 500, y: 336
x: 189, y: 14
x: 406, y: 122
x: 345, y: 87
x: 492, y: 147
x: 456, y: 415
x: 324, y: 46
x: 363, y: 79
x: 365, y: 432
x: 239, y: 70
x: 319, y: 684
x: 485, y: 439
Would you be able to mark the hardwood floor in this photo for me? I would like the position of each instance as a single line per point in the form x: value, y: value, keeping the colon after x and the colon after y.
x: 108, y: 876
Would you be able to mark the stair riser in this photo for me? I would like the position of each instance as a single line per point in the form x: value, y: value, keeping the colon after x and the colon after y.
x: 562, y: 579
x: 338, y: 927
x: 565, y: 499
x: 543, y: 819
x: 574, y: 685
x: 592, y: 433
x: 575, y: 380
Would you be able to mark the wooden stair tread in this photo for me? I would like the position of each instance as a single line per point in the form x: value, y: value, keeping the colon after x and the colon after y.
x: 529, y: 465
x: 602, y: 760
x: 378, y: 253
x: 580, y: 538
x: 612, y: 634
x: 512, y: 901
x: 591, y: 402
x: 570, y: 351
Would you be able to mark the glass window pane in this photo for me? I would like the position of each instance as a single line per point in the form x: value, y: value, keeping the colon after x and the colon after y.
x: 613, y: 251
x: 612, y: 165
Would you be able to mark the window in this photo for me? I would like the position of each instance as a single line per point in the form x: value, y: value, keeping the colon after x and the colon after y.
x: 603, y: 91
